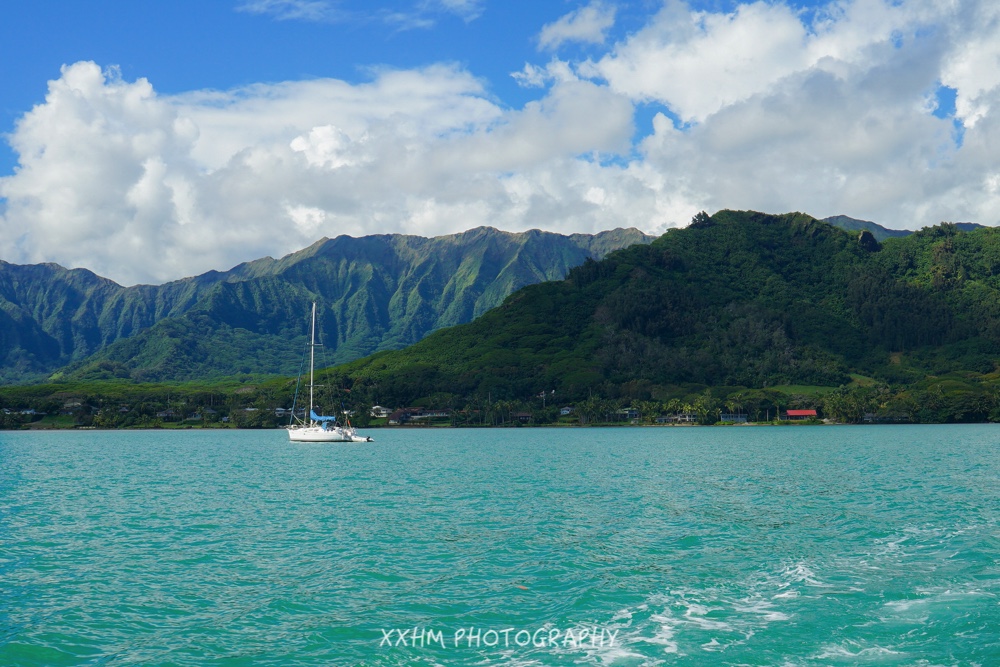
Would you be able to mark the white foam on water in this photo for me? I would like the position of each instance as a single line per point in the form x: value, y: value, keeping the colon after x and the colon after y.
x: 763, y: 608
x: 665, y: 634
x: 800, y: 573
x: 609, y: 655
x: 512, y: 661
x: 786, y: 595
x: 623, y: 615
x: 918, y: 609
x: 712, y: 619
x: 695, y: 614
x: 904, y: 605
x: 618, y: 649
x: 886, y: 546
x: 836, y: 651
x: 682, y: 620
x: 713, y: 645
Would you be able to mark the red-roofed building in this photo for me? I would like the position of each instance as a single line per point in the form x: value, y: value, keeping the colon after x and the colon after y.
x: 800, y: 414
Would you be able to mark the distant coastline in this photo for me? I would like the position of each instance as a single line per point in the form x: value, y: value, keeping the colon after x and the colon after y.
x: 783, y: 423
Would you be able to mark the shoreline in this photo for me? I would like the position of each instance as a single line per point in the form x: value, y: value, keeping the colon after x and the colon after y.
x: 483, y: 427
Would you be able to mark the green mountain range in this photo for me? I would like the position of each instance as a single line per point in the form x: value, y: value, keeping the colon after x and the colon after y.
x: 375, y: 293
x: 881, y: 233
x: 738, y: 300
x: 854, y: 225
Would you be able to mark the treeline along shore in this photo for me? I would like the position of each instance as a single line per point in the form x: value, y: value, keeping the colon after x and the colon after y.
x: 270, y: 404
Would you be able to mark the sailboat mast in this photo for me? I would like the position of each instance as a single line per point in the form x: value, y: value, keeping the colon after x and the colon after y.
x: 312, y: 360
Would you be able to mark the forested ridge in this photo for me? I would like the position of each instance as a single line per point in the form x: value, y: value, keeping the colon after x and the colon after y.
x: 376, y: 293
x: 735, y: 302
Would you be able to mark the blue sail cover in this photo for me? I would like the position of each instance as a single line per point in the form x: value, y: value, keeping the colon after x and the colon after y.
x: 320, y: 418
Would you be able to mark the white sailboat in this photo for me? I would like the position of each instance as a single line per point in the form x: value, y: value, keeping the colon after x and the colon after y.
x: 319, y: 428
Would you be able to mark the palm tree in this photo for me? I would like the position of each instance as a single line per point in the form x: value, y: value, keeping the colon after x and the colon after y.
x: 705, y: 405
x: 589, y: 409
x: 673, y: 406
x: 650, y: 410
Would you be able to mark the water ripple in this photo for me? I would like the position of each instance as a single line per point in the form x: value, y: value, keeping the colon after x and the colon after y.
x: 766, y: 546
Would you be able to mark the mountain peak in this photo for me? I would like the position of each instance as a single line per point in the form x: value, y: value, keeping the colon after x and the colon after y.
x: 880, y: 233
x: 375, y: 292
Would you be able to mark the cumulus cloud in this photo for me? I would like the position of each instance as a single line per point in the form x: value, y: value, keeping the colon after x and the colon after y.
x: 588, y: 24
x: 533, y: 76
x: 971, y: 66
x: 99, y: 163
x: 698, y: 62
x: 142, y: 187
x: 761, y: 107
x: 765, y: 110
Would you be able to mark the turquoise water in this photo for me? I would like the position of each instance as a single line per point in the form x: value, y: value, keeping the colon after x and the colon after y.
x: 646, y: 546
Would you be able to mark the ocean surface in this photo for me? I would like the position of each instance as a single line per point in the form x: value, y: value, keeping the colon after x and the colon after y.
x: 868, y: 545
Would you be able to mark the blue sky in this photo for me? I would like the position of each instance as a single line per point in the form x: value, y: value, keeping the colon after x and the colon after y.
x: 148, y: 141
x: 184, y: 45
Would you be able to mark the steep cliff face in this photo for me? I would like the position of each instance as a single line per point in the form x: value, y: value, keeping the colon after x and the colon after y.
x: 375, y: 293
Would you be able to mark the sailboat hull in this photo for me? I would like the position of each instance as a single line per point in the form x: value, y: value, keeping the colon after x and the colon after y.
x: 319, y: 434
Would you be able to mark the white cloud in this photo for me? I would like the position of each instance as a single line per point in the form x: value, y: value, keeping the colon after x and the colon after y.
x: 533, y: 76
x: 826, y: 118
x: 699, y: 62
x: 973, y: 66
x: 818, y: 144
x: 308, y: 219
x: 325, y: 146
x: 433, y: 101
x: 466, y: 9
x: 426, y: 13
x: 422, y: 14
x: 141, y: 187
x: 98, y: 162
x: 283, y: 10
x: 588, y: 24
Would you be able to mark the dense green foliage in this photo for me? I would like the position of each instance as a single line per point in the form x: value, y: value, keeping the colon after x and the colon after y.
x: 741, y: 301
x: 375, y: 293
